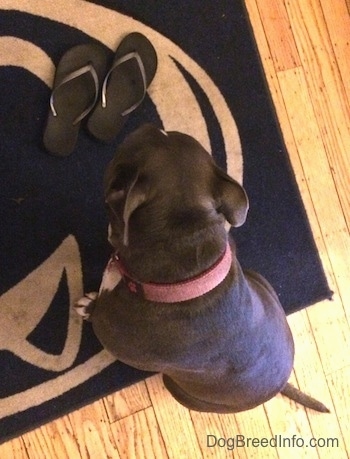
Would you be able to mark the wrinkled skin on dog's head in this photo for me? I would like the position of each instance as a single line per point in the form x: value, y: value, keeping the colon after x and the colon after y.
x: 162, y: 185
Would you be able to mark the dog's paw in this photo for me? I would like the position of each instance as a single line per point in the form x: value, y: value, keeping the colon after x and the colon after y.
x: 86, y: 304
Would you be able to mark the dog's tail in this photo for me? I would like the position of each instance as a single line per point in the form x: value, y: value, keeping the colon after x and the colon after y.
x: 295, y: 394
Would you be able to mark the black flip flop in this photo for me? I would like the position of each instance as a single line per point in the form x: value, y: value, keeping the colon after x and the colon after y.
x: 125, y: 86
x: 75, y: 92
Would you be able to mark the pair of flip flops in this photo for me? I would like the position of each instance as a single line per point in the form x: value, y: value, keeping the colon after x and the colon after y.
x: 85, y: 86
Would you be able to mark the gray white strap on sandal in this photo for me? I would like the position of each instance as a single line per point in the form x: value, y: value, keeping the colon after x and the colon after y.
x: 122, y: 60
x: 86, y: 69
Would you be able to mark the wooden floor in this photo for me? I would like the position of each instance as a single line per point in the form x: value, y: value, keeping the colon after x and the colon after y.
x: 305, y: 49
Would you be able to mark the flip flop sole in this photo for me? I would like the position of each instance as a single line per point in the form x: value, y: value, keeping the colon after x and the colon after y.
x: 73, y: 97
x: 125, y: 87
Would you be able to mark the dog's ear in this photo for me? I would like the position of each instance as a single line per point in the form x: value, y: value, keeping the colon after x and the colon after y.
x: 137, y: 194
x: 127, y: 188
x: 231, y: 198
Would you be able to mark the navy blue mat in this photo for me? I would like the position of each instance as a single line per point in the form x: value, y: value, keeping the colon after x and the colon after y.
x: 53, y: 224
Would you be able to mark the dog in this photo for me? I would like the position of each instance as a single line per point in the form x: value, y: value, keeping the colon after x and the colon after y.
x: 174, y: 298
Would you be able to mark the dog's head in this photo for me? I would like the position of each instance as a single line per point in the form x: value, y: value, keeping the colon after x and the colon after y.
x: 162, y: 183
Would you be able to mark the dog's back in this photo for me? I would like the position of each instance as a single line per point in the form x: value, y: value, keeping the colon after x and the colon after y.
x: 229, y: 350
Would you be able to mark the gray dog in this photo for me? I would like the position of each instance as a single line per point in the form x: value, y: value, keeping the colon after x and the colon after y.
x: 184, y: 306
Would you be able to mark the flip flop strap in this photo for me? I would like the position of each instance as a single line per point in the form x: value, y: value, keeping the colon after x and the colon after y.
x: 122, y: 60
x: 76, y: 74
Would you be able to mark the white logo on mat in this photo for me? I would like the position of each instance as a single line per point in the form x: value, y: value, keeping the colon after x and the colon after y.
x: 178, y: 109
x: 18, y: 319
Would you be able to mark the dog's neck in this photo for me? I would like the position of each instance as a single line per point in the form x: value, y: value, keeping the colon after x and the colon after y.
x: 188, y: 289
x: 173, y: 259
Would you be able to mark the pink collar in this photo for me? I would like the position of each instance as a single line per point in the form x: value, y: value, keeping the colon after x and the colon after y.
x: 181, y: 291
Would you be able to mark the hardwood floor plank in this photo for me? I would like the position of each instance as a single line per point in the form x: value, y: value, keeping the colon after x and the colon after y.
x: 127, y: 401
x: 217, y: 435
x: 14, y: 449
x: 175, y: 422
x: 328, y: 318
x: 138, y: 436
x: 312, y: 380
x: 328, y: 94
x: 269, y: 68
x: 254, y: 424
x: 280, y: 37
x: 331, y: 334
x: 282, y: 114
x: 52, y: 441
x: 339, y: 383
x: 329, y: 212
x: 337, y: 18
x: 286, y: 419
x: 93, y: 434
